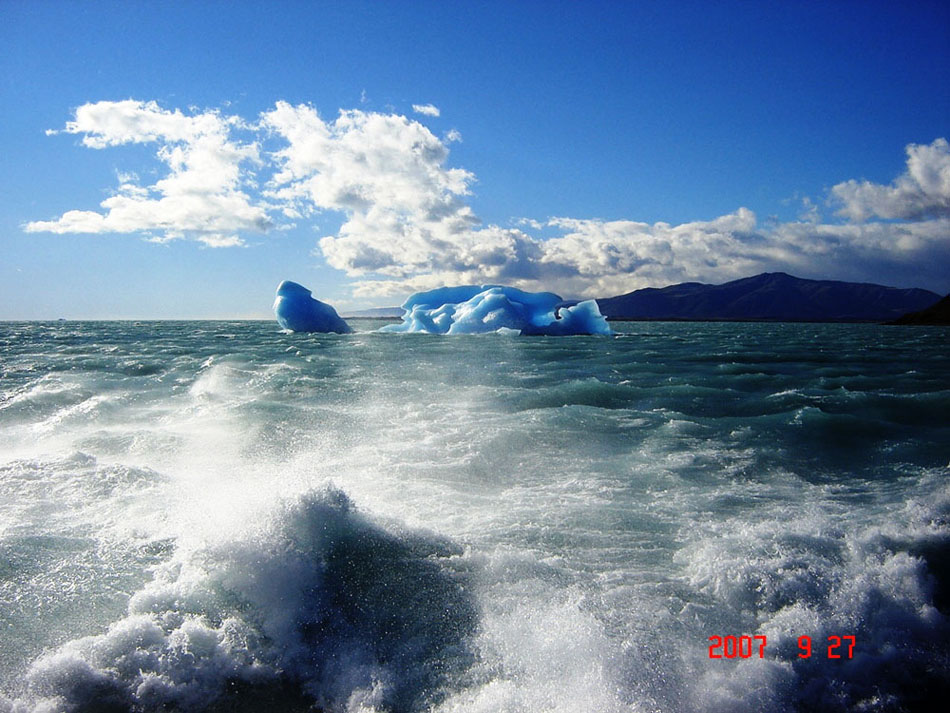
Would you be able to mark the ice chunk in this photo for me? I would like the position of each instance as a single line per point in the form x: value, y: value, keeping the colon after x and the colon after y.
x: 474, y: 309
x: 297, y: 311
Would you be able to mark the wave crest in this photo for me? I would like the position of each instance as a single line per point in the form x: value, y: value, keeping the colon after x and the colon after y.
x: 318, y: 607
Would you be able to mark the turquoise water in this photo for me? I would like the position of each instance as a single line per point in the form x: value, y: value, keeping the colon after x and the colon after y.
x: 222, y: 516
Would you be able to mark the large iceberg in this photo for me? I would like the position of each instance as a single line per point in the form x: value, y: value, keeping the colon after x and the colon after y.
x: 297, y: 311
x: 474, y: 309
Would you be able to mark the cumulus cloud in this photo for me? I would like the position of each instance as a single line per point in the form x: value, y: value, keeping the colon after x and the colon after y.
x: 408, y: 227
x: 598, y: 258
x: 427, y: 109
x: 405, y: 223
x: 595, y: 258
x: 408, y: 252
x: 403, y: 207
x: 201, y: 197
x: 922, y: 191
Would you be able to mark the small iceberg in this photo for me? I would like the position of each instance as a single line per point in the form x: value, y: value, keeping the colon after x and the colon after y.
x: 298, y: 311
x: 474, y: 309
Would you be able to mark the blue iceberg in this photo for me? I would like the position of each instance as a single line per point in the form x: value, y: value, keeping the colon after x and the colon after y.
x: 474, y: 309
x: 297, y: 311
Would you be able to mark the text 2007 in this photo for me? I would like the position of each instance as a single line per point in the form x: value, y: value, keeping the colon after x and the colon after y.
x: 744, y: 647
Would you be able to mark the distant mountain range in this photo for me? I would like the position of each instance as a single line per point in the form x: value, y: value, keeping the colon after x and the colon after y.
x: 773, y: 296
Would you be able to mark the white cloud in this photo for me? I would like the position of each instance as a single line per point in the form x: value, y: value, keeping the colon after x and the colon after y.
x: 619, y: 256
x: 594, y: 258
x: 220, y: 241
x: 809, y: 212
x: 202, y: 195
x: 597, y: 258
x: 922, y: 191
x: 427, y: 109
x: 405, y: 223
x: 403, y: 207
x: 407, y: 226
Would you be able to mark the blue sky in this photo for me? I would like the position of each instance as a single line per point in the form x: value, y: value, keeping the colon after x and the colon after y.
x: 585, y: 148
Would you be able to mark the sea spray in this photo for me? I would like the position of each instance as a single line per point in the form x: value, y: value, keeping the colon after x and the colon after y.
x: 318, y: 606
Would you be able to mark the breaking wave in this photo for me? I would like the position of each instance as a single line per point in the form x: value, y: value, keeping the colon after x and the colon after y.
x: 318, y: 607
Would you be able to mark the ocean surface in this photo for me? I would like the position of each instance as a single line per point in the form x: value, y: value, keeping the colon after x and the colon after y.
x: 219, y: 516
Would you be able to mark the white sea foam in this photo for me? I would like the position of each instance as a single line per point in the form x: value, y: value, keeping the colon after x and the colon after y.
x: 317, y: 604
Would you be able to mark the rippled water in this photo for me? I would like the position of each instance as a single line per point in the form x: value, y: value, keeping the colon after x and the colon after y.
x: 220, y: 516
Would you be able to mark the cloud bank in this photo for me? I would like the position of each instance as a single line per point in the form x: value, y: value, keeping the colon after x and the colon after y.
x: 405, y: 223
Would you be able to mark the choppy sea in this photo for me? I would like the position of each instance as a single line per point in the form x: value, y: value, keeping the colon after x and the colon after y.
x: 219, y: 516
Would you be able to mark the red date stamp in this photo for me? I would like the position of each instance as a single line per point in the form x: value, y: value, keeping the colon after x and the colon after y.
x: 744, y: 647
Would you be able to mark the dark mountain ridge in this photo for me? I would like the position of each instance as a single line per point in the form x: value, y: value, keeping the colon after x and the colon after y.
x: 937, y: 314
x: 770, y: 296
